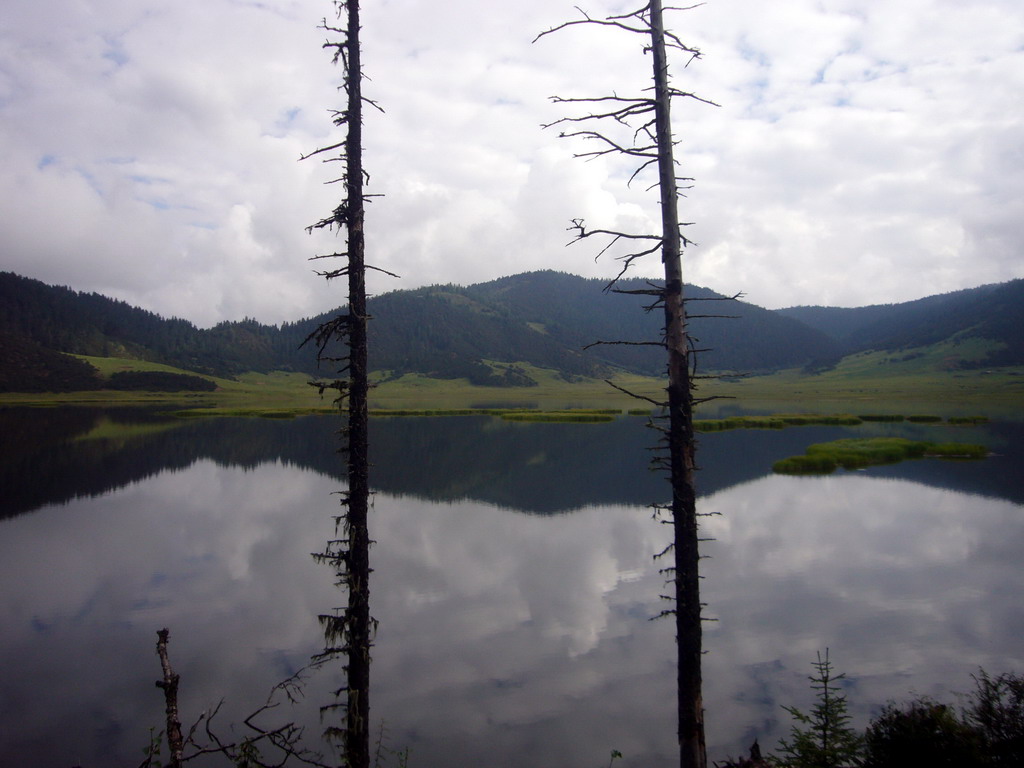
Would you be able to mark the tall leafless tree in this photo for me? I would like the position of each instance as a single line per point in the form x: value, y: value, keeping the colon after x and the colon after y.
x: 349, y: 631
x: 648, y: 121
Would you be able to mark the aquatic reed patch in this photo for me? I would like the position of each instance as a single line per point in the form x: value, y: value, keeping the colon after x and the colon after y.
x: 957, y: 450
x: 881, y: 417
x: 924, y: 419
x: 438, y: 411
x: 967, y: 420
x: 565, y: 416
x: 855, y: 453
x: 517, y: 414
x: 264, y: 413
x: 800, y: 420
x: 776, y: 421
x: 513, y: 413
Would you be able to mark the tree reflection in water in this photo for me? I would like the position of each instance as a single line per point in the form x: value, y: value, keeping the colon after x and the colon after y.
x: 506, y: 638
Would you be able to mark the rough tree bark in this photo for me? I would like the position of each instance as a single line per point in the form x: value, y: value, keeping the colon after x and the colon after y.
x: 169, y: 685
x: 349, y: 631
x: 652, y: 144
x: 681, y: 441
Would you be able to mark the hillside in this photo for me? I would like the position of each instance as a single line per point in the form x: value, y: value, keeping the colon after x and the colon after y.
x: 483, y: 332
x: 991, y: 312
x: 30, y: 367
x: 547, y: 318
x: 64, y: 320
x: 579, y: 312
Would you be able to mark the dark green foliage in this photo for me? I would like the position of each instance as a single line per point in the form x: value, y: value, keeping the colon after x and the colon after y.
x: 822, y: 738
x: 993, y: 312
x: 64, y: 320
x: 541, y: 318
x: 577, y: 312
x: 89, y: 324
x: 28, y: 367
x: 1001, y: 316
x: 968, y: 420
x: 158, y: 381
x: 921, y: 732
x: 447, y: 332
x: 238, y: 347
x: 924, y: 419
x: 880, y: 417
x: 996, y: 711
x: 988, y: 732
x: 840, y: 323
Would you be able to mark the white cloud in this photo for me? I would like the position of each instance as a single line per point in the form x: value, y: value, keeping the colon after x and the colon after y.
x: 148, y: 151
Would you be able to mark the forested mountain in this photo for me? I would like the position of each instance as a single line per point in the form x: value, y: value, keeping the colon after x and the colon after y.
x: 63, y: 320
x: 482, y: 331
x: 26, y: 366
x: 547, y: 318
x: 737, y: 336
x: 992, y: 312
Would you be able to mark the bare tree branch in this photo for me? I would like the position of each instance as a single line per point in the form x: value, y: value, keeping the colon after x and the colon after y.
x: 611, y: 21
x: 658, y: 403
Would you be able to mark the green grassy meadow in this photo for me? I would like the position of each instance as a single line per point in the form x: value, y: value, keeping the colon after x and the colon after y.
x: 871, y: 383
x: 881, y: 383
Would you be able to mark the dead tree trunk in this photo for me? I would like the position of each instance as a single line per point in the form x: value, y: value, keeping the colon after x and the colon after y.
x: 357, y: 726
x: 649, y: 119
x: 349, y: 631
x: 169, y: 685
x: 681, y: 442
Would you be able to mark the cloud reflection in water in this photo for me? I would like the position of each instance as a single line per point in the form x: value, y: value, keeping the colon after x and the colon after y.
x: 505, y: 639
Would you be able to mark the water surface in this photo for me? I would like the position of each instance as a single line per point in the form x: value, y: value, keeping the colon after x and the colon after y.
x: 513, y: 581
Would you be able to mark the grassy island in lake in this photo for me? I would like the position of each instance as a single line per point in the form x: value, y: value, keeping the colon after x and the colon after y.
x: 854, y: 453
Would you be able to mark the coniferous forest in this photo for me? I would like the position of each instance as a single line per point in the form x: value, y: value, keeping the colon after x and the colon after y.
x: 544, y: 319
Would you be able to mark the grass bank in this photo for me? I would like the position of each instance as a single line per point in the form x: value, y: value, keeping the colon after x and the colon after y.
x: 778, y: 421
x: 907, y: 381
x: 855, y: 453
x: 871, y: 384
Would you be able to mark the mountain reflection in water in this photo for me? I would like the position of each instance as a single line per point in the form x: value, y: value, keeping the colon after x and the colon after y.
x: 55, y: 455
x: 505, y: 639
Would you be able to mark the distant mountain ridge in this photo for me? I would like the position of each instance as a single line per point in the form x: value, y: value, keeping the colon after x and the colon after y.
x: 484, y: 332
x: 993, y: 312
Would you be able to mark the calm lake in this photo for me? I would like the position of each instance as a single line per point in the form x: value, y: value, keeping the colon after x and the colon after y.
x: 513, y: 581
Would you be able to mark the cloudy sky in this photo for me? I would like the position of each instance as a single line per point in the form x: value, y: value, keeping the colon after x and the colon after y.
x: 864, y: 151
